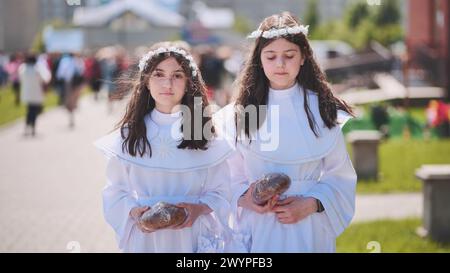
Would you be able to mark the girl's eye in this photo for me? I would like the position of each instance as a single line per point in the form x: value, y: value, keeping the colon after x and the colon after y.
x: 179, y: 76
x: 271, y: 58
x: 158, y: 75
x: 289, y: 57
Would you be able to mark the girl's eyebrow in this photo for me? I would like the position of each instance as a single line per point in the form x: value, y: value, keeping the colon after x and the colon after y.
x: 273, y: 51
x: 162, y: 70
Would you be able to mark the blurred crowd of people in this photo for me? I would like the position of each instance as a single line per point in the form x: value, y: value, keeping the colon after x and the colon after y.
x: 32, y: 75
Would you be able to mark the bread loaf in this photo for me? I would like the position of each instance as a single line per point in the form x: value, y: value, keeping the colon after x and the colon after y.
x: 163, y: 215
x: 270, y: 185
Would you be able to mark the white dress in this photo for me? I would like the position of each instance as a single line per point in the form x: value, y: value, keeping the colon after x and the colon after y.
x: 318, y: 167
x: 172, y: 175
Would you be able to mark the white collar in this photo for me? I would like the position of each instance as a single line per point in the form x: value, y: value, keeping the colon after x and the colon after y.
x: 161, y: 118
x: 297, y: 143
x: 275, y: 94
x: 166, y: 156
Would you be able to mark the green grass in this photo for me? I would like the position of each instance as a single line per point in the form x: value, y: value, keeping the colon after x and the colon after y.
x: 400, y: 156
x: 398, y: 161
x: 10, y: 112
x: 418, y: 114
x: 393, y: 237
x: 414, y: 119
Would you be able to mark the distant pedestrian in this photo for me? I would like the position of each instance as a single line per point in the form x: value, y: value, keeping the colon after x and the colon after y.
x: 12, y: 68
x: 32, y: 92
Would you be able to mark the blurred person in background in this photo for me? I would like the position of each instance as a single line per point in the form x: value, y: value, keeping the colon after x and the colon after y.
x: 212, y: 70
x: 3, y: 73
x: 70, y: 72
x: 32, y: 80
x: 93, y: 74
x: 438, y: 117
x: 12, y: 68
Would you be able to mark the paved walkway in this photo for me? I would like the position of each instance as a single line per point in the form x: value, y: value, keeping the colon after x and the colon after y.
x: 50, y: 186
x: 388, y: 206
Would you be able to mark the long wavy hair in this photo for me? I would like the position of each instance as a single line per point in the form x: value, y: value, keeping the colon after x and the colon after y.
x: 253, y: 85
x: 132, y: 126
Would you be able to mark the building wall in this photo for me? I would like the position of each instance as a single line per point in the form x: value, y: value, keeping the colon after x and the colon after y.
x: 20, y: 23
x: 429, y: 25
x: 21, y: 20
x: 2, y: 26
x: 99, y: 37
x: 443, y: 28
x: 51, y: 10
x: 428, y: 38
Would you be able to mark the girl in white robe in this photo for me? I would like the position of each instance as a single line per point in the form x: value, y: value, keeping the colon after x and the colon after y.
x: 153, y: 157
x: 299, y: 135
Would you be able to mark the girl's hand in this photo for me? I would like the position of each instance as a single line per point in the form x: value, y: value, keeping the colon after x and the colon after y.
x: 246, y: 201
x: 193, y: 212
x: 136, y: 214
x: 294, y: 208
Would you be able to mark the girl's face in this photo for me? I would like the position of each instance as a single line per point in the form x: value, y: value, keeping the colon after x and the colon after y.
x: 167, y: 85
x: 281, y: 61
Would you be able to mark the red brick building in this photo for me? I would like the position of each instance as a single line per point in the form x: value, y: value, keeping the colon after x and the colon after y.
x: 428, y: 39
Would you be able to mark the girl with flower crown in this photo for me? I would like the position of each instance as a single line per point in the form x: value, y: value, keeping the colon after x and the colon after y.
x: 296, y: 131
x: 157, y: 155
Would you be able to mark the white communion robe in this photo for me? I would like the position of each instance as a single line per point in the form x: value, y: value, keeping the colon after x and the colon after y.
x: 318, y: 167
x: 172, y: 175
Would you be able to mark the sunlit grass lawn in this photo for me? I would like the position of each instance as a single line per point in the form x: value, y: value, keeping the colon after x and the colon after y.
x: 392, y: 236
x: 399, y: 158
x: 398, y: 161
x: 10, y: 112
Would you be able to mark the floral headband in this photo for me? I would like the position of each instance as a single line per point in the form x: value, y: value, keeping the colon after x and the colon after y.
x: 278, y: 32
x: 144, y: 60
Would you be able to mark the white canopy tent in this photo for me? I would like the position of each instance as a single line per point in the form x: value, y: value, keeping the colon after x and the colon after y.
x: 147, y: 9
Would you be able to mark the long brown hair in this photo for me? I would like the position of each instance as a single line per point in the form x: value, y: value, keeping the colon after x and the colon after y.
x: 253, y: 84
x: 132, y: 125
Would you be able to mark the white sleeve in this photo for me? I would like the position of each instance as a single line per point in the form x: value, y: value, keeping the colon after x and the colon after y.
x: 118, y: 200
x: 241, y: 236
x: 238, y: 182
x: 336, y: 188
x: 216, y: 191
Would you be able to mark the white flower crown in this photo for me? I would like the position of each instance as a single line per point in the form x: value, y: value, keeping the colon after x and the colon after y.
x: 144, y: 60
x: 278, y: 32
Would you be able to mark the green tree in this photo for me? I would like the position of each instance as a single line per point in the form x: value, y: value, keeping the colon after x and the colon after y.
x: 38, y: 45
x: 388, y: 13
x: 241, y: 25
x: 312, y: 17
x: 356, y: 13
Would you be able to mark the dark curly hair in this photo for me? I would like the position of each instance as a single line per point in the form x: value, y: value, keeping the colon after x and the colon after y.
x: 253, y: 85
x: 132, y: 125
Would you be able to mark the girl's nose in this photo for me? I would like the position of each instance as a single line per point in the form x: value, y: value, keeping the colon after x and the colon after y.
x: 167, y: 82
x: 280, y: 62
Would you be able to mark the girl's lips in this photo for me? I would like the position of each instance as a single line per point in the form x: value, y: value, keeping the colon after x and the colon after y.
x: 166, y: 94
x: 281, y: 74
